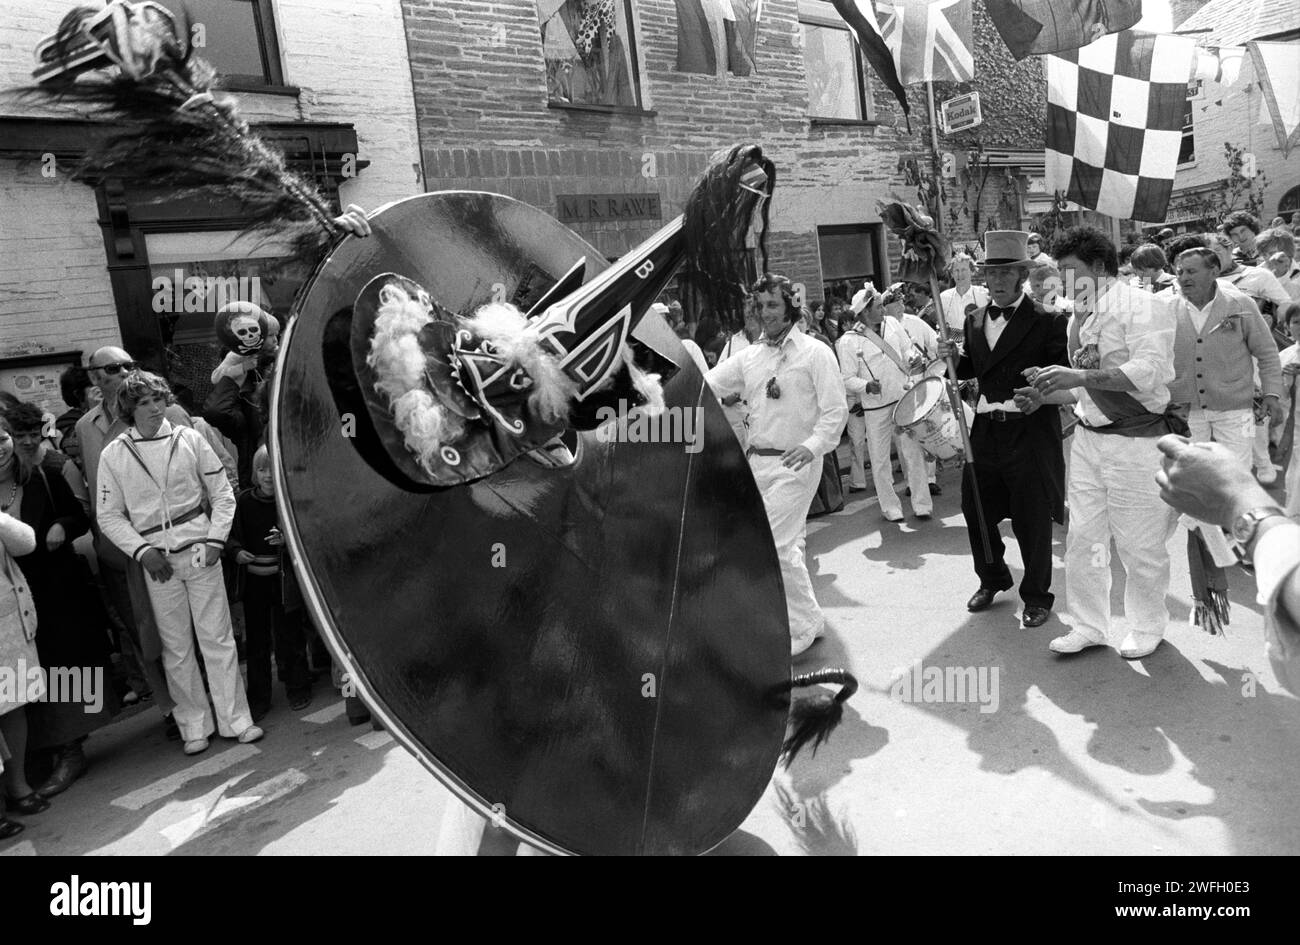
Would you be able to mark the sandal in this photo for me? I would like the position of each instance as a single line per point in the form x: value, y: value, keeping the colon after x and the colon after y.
x: 10, y: 828
x: 33, y: 803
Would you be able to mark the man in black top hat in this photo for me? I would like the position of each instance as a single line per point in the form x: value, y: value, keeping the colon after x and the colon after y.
x: 1019, y: 466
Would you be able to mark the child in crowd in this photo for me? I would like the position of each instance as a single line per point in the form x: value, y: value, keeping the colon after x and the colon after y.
x: 258, y: 547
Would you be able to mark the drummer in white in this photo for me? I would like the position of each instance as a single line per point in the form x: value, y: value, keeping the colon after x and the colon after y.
x: 876, y: 361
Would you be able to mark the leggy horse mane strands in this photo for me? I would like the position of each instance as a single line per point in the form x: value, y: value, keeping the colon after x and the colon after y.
x: 716, y: 221
x: 172, y: 132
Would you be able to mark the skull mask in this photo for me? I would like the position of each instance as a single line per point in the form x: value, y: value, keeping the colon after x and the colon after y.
x: 249, y: 332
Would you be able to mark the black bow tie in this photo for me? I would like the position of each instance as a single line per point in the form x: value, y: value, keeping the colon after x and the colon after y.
x: 995, y: 312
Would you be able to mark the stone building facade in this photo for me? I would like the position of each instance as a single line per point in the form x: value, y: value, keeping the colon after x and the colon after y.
x: 492, y: 117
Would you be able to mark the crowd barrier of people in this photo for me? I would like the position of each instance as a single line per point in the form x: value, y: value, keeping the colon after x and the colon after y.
x: 130, y: 526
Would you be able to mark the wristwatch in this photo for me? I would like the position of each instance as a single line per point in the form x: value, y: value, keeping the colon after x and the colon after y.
x: 1246, y: 525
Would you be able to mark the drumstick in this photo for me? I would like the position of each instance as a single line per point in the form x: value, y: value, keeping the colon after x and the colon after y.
x: 955, y: 400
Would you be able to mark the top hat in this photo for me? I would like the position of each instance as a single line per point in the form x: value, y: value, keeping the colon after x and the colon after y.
x: 1006, y: 248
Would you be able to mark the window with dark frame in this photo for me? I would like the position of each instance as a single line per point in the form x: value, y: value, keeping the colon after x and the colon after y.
x: 590, y: 49
x: 1187, y: 149
x: 838, y: 86
x: 238, y: 38
x: 851, y: 254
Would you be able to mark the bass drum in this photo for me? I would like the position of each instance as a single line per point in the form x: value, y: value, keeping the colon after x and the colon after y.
x: 593, y: 654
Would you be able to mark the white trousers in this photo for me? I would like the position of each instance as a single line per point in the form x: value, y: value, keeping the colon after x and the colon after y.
x: 876, y: 431
x: 1235, y: 429
x: 193, y: 603
x: 1293, y: 480
x: 1262, y: 432
x: 787, y: 493
x: 1113, y: 495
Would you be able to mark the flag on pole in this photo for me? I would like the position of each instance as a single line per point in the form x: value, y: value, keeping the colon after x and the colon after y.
x: 1037, y: 27
x: 1277, y: 67
x: 1115, y: 122
x: 861, y: 18
x: 930, y: 40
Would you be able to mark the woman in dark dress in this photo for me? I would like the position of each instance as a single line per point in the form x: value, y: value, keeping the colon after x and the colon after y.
x: 73, y: 643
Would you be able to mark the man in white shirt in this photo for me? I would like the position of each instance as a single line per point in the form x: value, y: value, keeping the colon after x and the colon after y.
x: 789, y: 386
x: 876, y: 360
x: 963, y: 295
x: 1121, y: 347
x: 1222, y: 341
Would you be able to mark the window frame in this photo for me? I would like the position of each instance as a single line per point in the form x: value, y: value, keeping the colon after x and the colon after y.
x: 1189, y: 128
x: 813, y: 15
x: 873, y: 233
x: 268, y: 47
x: 642, y: 106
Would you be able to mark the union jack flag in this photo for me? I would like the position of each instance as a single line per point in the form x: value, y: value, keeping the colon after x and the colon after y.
x: 930, y: 40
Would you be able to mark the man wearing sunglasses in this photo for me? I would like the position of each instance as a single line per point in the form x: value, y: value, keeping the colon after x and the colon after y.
x: 793, y: 402
x: 123, y: 578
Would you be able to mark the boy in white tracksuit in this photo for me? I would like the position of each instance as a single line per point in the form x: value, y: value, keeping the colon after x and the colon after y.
x: 164, y: 499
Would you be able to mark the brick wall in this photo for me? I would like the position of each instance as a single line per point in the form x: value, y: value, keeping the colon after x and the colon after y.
x: 481, y: 98
x: 54, y: 286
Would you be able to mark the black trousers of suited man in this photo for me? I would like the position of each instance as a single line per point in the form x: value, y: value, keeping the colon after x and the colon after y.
x: 1019, y: 464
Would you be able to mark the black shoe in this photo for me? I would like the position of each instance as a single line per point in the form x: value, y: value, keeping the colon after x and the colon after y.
x: 259, y: 712
x: 33, y: 803
x: 171, y: 728
x: 935, y: 489
x: 356, y: 710
x: 10, y: 828
x: 1035, y: 616
x: 70, y: 766
x: 983, y: 597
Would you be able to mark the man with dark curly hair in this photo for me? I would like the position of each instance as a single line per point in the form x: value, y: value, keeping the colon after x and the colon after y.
x: 1121, y: 349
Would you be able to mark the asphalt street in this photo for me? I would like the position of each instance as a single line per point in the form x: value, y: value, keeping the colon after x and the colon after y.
x: 1192, y: 750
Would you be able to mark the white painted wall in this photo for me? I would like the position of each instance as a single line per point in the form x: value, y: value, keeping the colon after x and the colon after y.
x: 349, y: 59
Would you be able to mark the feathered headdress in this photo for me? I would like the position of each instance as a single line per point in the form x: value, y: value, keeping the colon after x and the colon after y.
x: 131, y: 66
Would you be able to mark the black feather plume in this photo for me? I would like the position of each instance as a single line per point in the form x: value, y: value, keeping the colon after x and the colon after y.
x: 812, y: 720
x: 173, y: 131
x: 716, y: 221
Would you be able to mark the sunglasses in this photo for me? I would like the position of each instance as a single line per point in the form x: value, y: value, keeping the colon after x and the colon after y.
x: 117, y: 367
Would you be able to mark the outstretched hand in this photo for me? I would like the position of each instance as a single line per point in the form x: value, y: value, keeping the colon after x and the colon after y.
x: 1206, y: 481
x: 354, y: 221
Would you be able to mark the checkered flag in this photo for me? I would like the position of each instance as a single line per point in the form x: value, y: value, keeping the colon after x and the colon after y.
x: 1115, y: 122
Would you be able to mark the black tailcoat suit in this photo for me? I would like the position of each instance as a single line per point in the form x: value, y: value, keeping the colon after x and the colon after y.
x: 1019, y: 461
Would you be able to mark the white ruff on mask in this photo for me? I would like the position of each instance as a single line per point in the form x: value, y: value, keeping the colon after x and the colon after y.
x: 427, y: 427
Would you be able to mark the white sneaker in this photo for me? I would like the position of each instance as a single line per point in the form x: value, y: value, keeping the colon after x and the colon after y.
x: 893, y: 515
x: 1266, y: 475
x: 1137, y: 645
x: 196, y: 746
x: 250, y: 734
x: 1073, y: 642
